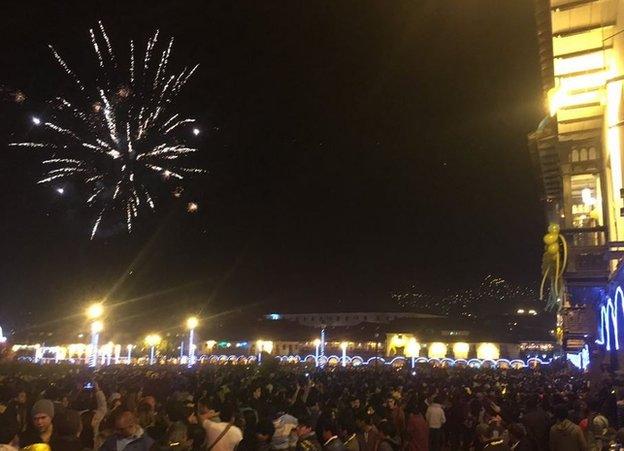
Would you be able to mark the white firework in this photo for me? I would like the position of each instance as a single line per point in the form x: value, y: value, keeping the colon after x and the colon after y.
x: 117, y: 134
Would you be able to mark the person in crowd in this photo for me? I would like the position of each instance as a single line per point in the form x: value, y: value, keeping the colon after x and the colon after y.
x: 368, y: 436
x: 389, y: 440
x: 565, y: 435
x: 331, y: 441
x: 128, y: 435
x: 518, y: 439
x: 222, y: 435
x: 435, y: 420
x: 42, y: 430
x: 536, y: 423
x: 417, y: 431
x: 68, y: 425
x: 307, y: 440
x: 9, y: 429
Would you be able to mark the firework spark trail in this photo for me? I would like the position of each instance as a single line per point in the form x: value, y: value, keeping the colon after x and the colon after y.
x: 96, y: 48
x: 109, y: 48
x: 112, y: 149
x: 66, y: 68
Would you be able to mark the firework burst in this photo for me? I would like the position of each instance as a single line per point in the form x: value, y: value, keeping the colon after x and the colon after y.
x: 117, y: 134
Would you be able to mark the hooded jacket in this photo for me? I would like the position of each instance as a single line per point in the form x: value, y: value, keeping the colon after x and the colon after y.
x: 567, y: 436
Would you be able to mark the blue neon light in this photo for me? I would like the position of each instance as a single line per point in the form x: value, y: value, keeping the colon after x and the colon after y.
x: 609, y: 320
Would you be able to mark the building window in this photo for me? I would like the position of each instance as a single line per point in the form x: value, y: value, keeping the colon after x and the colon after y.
x: 592, y: 153
x: 583, y: 154
x: 586, y: 200
x: 574, y: 156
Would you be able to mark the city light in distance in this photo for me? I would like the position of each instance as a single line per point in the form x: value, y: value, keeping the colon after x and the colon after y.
x: 192, y: 207
x: 196, y: 131
x: 36, y: 120
x: 60, y: 190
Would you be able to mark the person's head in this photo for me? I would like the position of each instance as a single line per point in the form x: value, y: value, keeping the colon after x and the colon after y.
x: 387, y: 429
x: 265, y: 430
x: 304, y: 426
x: 257, y: 392
x: 125, y: 423
x: 330, y: 429
x: 364, y: 421
x: 561, y: 412
x: 355, y: 403
x: 391, y: 403
x: 42, y: 414
x: 68, y: 423
x: 20, y: 398
x: 227, y: 412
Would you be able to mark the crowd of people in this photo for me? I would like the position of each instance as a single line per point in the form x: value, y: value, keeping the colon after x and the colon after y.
x: 272, y: 407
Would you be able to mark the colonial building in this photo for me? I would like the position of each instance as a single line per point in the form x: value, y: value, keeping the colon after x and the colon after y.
x: 577, y: 150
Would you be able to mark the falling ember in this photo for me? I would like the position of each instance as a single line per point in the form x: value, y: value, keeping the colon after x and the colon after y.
x: 192, y: 207
x: 116, y: 134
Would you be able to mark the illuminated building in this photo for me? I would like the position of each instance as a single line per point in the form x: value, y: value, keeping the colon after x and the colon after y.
x: 577, y: 150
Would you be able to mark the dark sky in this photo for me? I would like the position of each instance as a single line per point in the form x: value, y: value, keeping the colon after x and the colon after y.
x: 354, y: 147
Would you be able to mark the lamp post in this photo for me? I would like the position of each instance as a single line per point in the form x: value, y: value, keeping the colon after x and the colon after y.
x: 191, y: 324
x: 343, y: 346
x: 152, y: 341
x: 94, y: 312
x: 129, y: 348
x: 317, y: 344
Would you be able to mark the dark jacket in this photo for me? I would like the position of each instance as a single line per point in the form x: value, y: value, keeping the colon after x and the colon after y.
x: 369, y: 442
x: 536, y: 424
x: 66, y: 444
x: 143, y: 443
x: 567, y: 436
x: 30, y: 437
x: 388, y: 444
x: 334, y: 445
x: 309, y: 443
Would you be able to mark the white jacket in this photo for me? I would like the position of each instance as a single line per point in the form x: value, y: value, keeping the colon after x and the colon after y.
x: 435, y: 416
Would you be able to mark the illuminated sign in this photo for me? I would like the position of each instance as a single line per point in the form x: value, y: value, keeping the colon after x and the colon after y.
x: 608, y: 328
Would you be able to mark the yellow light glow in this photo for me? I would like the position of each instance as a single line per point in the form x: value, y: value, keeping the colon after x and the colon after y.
x: 211, y: 344
x: 97, y: 327
x: 264, y: 346
x: 398, y: 341
x: 94, y: 311
x: 344, y: 345
x: 461, y: 350
x: 413, y: 348
x: 581, y: 63
x: 488, y: 351
x: 192, y: 322
x: 317, y: 342
x: 614, y: 97
x: 437, y: 350
x: 153, y: 340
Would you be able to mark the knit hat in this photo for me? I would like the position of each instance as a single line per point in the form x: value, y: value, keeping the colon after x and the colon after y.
x: 43, y: 406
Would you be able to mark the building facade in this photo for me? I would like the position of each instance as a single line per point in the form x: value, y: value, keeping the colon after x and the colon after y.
x: 345, y: 319
x: 577, y: 150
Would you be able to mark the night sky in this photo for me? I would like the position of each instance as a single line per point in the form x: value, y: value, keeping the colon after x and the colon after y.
x: 354, y: 148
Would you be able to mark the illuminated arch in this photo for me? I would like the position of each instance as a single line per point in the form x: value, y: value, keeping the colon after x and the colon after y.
x: 608, y: 329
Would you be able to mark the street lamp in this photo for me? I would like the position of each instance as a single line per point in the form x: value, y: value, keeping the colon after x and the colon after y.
x: 129, y: 348
x: 191, y: 324
x: 152, y: 341
x: 343, y: 346
x: 317, y: 344
x: 94, y: 312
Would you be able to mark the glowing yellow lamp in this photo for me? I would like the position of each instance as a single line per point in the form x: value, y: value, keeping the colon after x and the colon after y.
x: 461, y: 350
x: 488, y: 351
x: 437, y: 350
